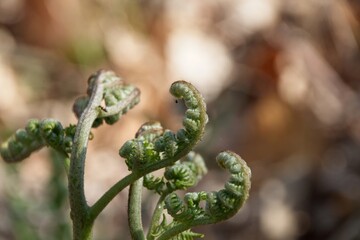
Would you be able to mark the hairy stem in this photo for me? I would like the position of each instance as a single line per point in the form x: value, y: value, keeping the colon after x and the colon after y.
x: 134, y: 210
x: 101, y: 84
x: 156, y: 216
x: 109, y: 195
x: 111, y: 110
x: 78, y: 204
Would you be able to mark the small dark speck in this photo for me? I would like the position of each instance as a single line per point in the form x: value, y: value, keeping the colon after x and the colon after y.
x: 102, y: 108
x: 176, y: 101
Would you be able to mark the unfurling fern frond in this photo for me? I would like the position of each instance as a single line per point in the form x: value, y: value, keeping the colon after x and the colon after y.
x: 141, y: 150
x: 220, y: 205
x: 183, y: 174
x: 187, y: 209
x: 117, y: 96
x: 22, y: 143
x: 194, y: 122
x: 154, y: 183
x: 168, y: 147
x: 225, y: 203
x: 37, y: 134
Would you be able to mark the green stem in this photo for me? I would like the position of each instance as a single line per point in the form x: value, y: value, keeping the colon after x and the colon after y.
x: 106, y: 198
x: 121, y: 105
x: 134, y: 210
x: 156, y: 216
x: 79, y: 208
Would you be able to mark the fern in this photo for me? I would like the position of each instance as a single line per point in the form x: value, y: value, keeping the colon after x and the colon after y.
x: 152, y: 148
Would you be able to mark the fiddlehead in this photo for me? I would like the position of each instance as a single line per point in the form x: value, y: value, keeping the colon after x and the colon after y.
x: 115, y: 94
x: 194, y: 122
x: 141, y: 150
x: 220, y: 205
x: 164, y: 150
x: 169, y: 147
x: 225, y: 203
x: 183, y: 174
x: 143, y: 156
x: 37, y: 134
x: 25, y: 141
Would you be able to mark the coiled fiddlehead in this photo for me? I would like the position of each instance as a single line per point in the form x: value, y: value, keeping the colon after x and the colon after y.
x: 169, y: 147
x: 194, y: 122
x: 183, y: 174
x: 164, y: 150
x: 225, y: 203
x: 143, y: 156
x: 37, y: 134
x: 220, y: 205
x: 114, y: 94
x: 22, y: 143
x: 141, y: 150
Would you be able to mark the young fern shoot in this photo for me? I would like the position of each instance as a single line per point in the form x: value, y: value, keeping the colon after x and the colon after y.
x: 152, y: 148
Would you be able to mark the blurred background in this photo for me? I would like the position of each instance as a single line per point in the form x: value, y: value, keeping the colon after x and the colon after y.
x: 281, y: 79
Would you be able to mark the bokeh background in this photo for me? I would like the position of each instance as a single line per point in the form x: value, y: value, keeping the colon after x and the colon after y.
x: 281, y: 79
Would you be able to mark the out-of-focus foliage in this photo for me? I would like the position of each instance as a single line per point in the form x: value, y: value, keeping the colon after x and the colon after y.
x: 281, y: 79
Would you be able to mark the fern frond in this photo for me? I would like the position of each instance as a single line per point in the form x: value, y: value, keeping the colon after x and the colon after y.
x: 220, y: 205
x: 37, y: 134
x: 118, y: 97
x: 168, y: 147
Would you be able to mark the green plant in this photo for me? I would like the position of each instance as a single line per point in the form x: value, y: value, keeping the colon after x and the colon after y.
x: 152, y: 148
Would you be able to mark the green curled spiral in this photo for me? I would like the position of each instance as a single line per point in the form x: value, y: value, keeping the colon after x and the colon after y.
x: 168, y: 147
x: 115, y: 93
x: 154, y: 183
x: 183, y: 174
x: 194, y: 121
x: 52, y: 132
x: 187, y: 209
x: 37, y: 134
x: 22, y: 143
x: 180, y: 176
x: 56, y: 136
x: 220, y: 205
x: 140, y: 150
